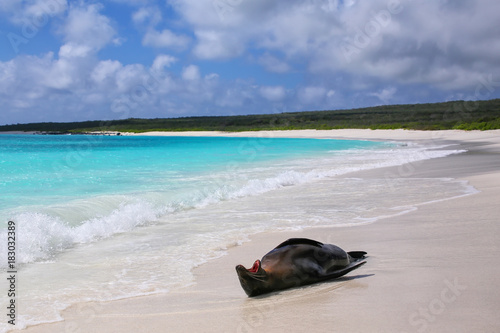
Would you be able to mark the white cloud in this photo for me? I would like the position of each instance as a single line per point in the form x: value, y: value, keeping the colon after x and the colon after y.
x: 34, y: 13
x: 389, y: 40
x: 38, y: 8
x: 129, y: 77
x: 85, y: 32
x: 191, y: 73
x: 61, y: 75
x: 216, y: 45
x: 78, y: 88
x: 386, y: 94
x: 163, y: 61
x: 196, y: 12
x: 70, y: 50
x: 406, y: 48
x: 105, y: 70
x: 147, y: 15
x: 165, y: 39
x: 273, y: 93
x: 86, y: 26
x: 312, y: 94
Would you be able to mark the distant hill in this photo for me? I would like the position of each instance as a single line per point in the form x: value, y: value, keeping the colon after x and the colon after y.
x: 466, y: 115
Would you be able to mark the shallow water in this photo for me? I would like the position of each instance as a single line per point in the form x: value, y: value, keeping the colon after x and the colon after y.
x: 119, y: 217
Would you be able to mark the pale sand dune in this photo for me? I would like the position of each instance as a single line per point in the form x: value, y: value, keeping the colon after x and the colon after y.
x: 435, y: 269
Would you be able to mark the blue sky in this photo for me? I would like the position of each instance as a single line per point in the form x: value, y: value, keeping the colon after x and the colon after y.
x: 66, y: 60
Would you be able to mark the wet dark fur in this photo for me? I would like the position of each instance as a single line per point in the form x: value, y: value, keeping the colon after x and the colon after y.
x: 297, y: 262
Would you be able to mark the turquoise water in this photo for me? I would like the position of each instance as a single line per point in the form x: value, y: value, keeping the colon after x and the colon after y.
x: 48, y: 170
x: 100, y: 218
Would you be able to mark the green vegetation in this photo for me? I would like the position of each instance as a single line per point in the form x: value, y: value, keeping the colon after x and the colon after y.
x: 465, y: 115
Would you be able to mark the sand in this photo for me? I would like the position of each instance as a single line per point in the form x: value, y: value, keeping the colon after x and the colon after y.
x: 435, y: 269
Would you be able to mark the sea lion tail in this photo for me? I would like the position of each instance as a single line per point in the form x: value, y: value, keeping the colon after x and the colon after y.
x: 357, y: 254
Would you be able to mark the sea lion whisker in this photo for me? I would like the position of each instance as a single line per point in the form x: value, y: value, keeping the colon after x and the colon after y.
x: 259, y: 277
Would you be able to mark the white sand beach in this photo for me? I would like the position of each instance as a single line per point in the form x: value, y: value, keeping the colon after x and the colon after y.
x: 435, y: 269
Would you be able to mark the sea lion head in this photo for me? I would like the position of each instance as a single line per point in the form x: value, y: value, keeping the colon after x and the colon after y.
x: 255, y: 281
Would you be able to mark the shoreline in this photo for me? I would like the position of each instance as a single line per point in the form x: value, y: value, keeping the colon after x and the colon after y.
x: 419, y: 277
x: 362, y: 134
x: 348, y: 134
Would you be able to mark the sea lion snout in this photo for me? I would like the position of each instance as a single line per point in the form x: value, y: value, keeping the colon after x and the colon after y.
x: 254, y: 280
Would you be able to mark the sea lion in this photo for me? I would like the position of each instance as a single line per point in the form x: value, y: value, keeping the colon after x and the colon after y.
x: 297, y: 262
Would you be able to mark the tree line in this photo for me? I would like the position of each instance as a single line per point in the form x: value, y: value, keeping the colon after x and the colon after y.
x: 465, y: 115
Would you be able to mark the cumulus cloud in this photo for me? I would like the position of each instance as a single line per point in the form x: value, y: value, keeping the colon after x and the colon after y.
x: 85, y: 25
x: 212, y: 44
x: 105, y: 71
x: 401, y: 43
x: 165, y: 39
x: 386, y: 94
x: 34, y: 13
x: 70, y: 50
x: 391, y: 40
x: 301, y: 55
x: 85, y: 32
x: 273, y: 93
x: 147, y: 15
x: 163, y: 61
x: 191, y: 73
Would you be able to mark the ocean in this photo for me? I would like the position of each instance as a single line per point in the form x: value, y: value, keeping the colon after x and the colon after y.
x: 101, y: 218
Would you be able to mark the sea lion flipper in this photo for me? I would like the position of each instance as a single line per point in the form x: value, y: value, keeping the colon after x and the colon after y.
x: 357, y: 254
x: 296, y: 241
x: 343, y: 271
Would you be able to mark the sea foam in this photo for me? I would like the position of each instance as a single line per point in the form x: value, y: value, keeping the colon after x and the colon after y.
x: 46, y: 233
